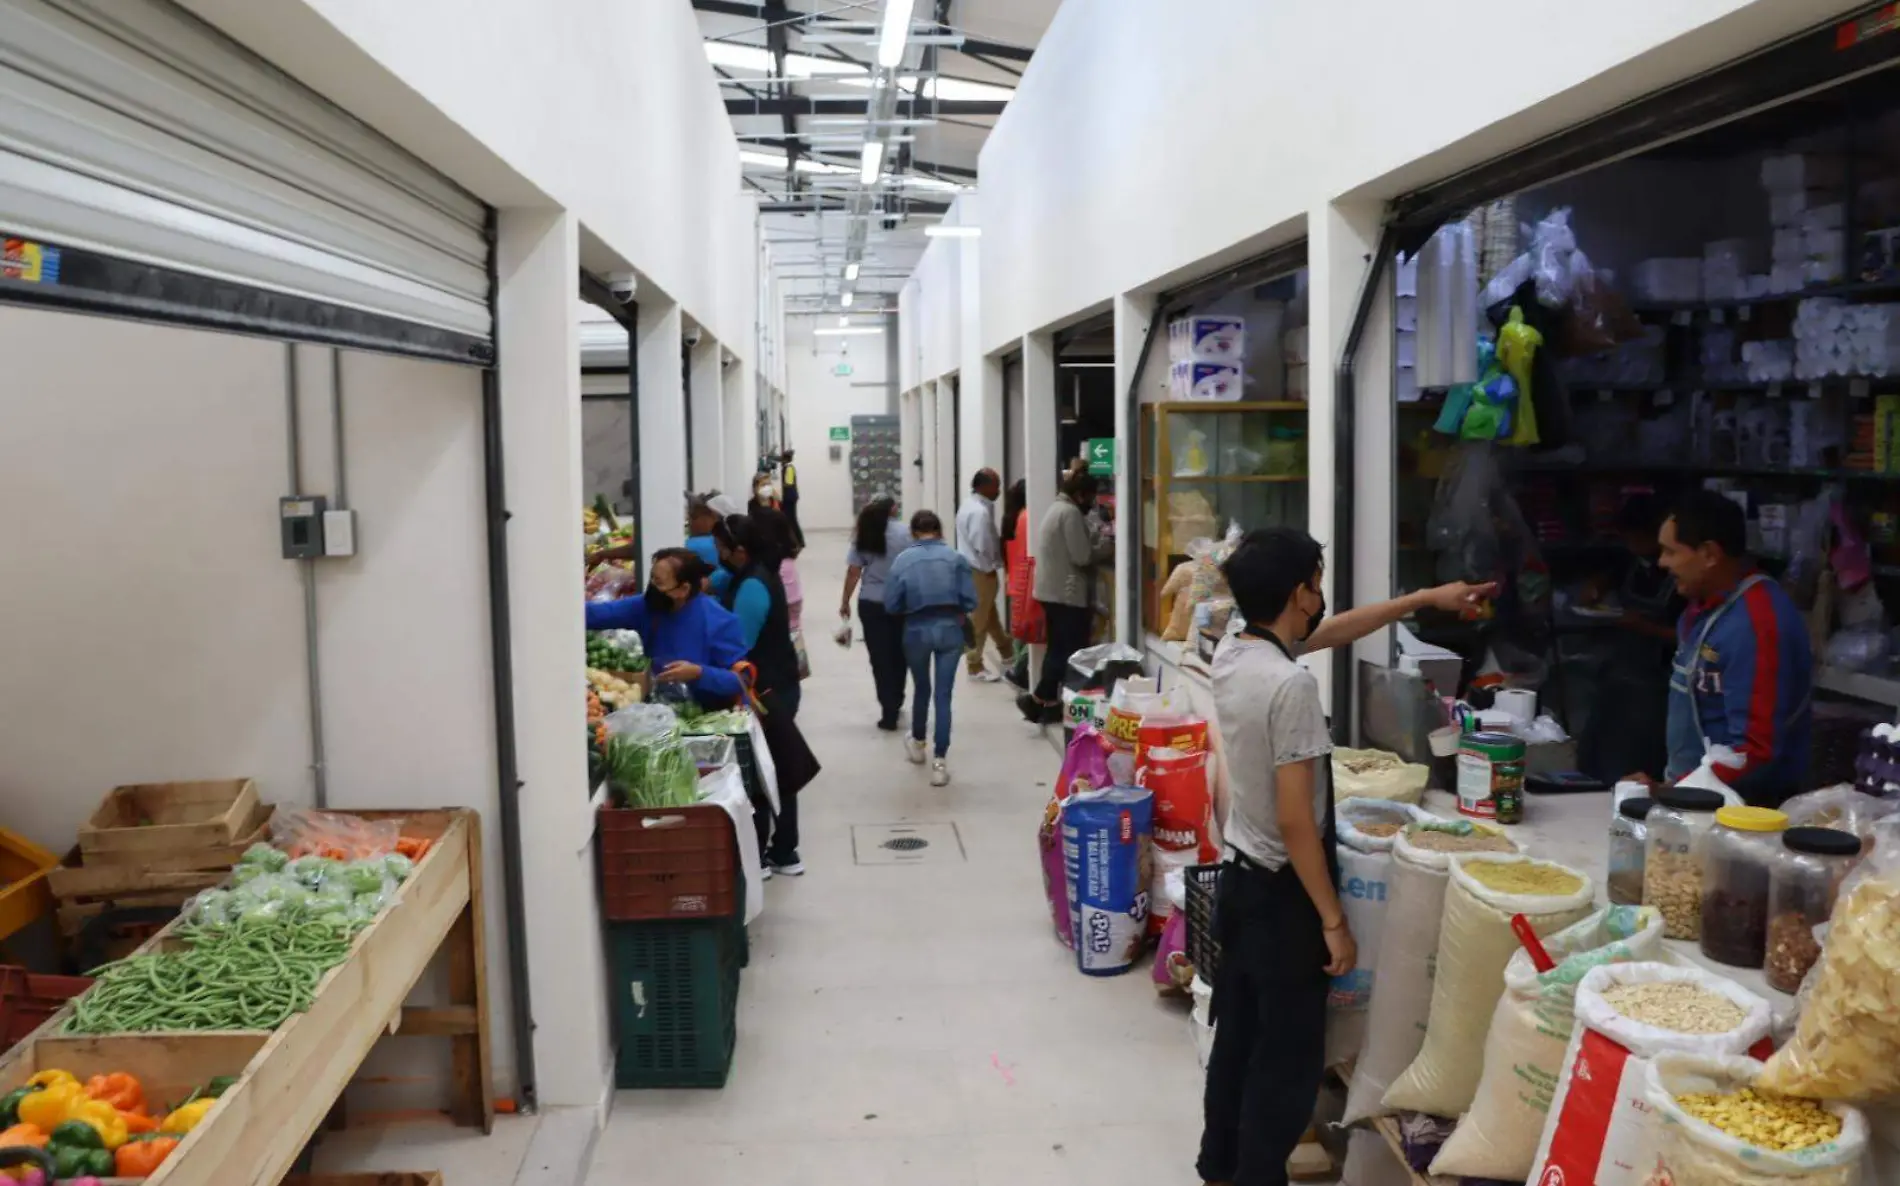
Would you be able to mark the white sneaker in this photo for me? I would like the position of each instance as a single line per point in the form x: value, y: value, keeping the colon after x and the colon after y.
x: 765, y: 873
x: 986, y: 676
x: 940, y: 773
x: 914, y: 750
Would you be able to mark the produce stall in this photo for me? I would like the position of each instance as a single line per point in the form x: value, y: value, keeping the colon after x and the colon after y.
x: 285, y: 1079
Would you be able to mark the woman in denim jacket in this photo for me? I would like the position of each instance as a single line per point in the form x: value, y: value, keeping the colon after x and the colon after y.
x: 932, y: 586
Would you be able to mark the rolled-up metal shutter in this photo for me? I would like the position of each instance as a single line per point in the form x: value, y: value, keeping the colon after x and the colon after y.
x: 151, y: 166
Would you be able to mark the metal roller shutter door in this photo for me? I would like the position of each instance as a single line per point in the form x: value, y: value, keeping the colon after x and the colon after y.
x: 180, y: 174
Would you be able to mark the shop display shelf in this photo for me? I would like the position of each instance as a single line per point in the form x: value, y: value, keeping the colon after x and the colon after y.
x: 1842, y: 682
x: 290, y: 1078
x: 1852, y: 290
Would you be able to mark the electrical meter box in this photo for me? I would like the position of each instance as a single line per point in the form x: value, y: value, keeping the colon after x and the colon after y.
x: 302, y: 525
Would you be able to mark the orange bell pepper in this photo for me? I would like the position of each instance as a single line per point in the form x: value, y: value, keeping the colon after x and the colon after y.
x: 24, y: 1134
x: 119, y: 1089
x: 138, y: 1122
x: 141, y: 1159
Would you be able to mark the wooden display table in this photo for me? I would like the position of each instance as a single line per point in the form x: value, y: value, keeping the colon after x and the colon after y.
x: 289, y: 1079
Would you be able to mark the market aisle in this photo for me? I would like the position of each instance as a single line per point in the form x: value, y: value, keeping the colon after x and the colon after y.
x: 920, y: 1024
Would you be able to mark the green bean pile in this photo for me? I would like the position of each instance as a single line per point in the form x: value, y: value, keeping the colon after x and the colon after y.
x: 244, y: 976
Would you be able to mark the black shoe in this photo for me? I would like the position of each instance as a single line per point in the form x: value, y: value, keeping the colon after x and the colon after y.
x: 1030, y: 708
x: 888, y: 726
x: 1051, y: 715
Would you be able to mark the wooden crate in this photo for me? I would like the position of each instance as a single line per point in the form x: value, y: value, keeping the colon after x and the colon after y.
x: 168, y: 1066
x: 424, y: 1178
x: 24, y: 895
x: 168, y: 816
x: 255, y: 830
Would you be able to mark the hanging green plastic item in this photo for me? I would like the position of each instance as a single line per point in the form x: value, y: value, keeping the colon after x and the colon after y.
x: 1517, y: 348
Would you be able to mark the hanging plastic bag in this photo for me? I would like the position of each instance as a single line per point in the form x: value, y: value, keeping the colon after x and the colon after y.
x: 1524, y: 1049
x: 1692, y: 1152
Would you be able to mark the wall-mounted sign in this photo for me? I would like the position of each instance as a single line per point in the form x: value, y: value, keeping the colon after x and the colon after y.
x: 843, y: 368
x: 1101, y: 455
x: 840, y: 433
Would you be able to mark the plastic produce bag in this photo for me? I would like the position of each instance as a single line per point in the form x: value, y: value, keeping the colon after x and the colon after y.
x: 1524, y: 1050
x: 1600, y: 1128
x: 643, y: 722
x: 1376, y: 774
x: 1408, y: 947
x: 1843, y: 808
x: 1846, y: 1045
x: 1475, y: 943
x: 1692, y: 1152
x: 335, y: 834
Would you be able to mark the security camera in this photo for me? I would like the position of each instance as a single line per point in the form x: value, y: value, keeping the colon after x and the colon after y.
x: 623, y: 285
x: 693, y: 335
x: 726, y: 359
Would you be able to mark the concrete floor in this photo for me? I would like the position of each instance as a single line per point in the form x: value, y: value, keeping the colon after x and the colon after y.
x: 920, y: 1023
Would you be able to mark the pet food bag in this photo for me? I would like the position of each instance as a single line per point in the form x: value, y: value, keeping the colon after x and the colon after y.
x: 1084, y: 767
x: 1693, y: 1152
x: 1107, y: 853
x: 1600, y: 1128
x: 1475, y: 942
x: 1408, y: 950
x: 1368, y: 828
x: 1524, y: 1050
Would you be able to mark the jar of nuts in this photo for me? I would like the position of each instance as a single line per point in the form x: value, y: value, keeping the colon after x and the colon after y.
x: 1627, y: 837
x: 1742, y: 847
x: 1678, y: 825
x: 1805, y: 880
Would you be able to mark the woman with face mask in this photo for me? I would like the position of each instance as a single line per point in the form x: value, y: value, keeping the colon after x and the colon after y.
x: 690, y: 638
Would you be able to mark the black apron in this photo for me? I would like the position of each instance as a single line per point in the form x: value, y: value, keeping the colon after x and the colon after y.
x: 1266, y: 924
x: 777, y: 662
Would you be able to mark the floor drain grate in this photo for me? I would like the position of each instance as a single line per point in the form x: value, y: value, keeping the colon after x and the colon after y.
x: 906, y: 844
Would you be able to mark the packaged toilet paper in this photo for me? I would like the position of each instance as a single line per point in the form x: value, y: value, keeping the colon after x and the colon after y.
x: 1205, y: 381
x: 1207, y: 338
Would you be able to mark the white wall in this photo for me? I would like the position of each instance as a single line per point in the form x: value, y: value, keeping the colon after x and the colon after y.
x: 818, y: 401
x: 603, y: 108
x: 159, y: 634
x: 1094, y: 179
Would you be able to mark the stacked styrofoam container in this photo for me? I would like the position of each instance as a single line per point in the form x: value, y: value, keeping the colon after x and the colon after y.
x: 1725, y: 270
x: 1410, y: 351
x: 1808, y: 245
x: 1833, y: 338
x: 1668, y: 280
x: 1205, y: 356
x: 1770, y: 360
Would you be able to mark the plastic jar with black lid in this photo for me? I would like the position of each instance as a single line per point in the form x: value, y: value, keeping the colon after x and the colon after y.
x: 1678, y: 825
x: 1805, y: 881
x: 1628, y: 834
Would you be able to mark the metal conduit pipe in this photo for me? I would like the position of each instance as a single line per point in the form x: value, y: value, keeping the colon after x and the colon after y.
x: 1345, y: 474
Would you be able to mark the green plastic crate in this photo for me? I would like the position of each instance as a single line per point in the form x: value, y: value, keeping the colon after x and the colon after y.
x: 676, y: 993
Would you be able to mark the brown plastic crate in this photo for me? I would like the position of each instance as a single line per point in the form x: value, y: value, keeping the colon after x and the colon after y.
x: 27, y: 999
x: 667, y: 862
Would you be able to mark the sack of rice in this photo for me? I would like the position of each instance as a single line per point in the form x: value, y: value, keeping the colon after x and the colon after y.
x: 1368, y: 828
x: 1408, y: 946
x: 1524, y: 1050
x: 1600, y: 1128
x: 1475, y: 941
x: 1715, y: 1128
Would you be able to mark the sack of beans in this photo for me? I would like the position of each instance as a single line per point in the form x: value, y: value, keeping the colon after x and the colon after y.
x: 1600, y: 1128
x: 1524, y: 1049
x: 1715, y: 1128
x: 1415, y: 907
x: 1475, y: 942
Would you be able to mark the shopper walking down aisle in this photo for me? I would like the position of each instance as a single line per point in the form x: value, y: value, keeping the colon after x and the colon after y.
x: 690, y: 638
x: 1068, y: 547
x: 1281, y: 930
x: 754, y: 594
x: 980, y: 545
x: 932, y: 589
x: 876, y: 542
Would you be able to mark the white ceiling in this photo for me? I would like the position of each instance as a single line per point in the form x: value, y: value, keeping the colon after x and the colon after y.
x: 809, y: 247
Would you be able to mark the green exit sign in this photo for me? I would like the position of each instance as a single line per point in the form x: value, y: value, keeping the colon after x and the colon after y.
x: 840, y: 433
x: 1101, y: 455
x: 843, y: 368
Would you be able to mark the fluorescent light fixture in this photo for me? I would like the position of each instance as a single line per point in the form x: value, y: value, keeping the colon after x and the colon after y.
x: 940, y: 88
x: 839, y: 331
x: 776, y: 160
x: 893, y: 33
x: 753, y: 57
x: 844, y: 321
x: 847, y: 298
x: 912, y: 181
x: 873, y: 162
x: 941, y: 231
x: 850, y: 272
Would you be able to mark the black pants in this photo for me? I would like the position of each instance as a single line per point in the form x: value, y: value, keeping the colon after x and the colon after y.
x: 1068, y: 633
x: 884, y: 643
x: 1269, y: 1055
x: 778, y: 834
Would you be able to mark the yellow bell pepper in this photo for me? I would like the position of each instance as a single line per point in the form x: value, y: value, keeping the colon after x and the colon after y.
x: 52, y: 1105
x: 183, y: 1119
x: 50, y: 1077
x: 104, y: 1118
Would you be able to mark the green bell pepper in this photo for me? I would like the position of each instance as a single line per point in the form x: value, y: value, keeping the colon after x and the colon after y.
x: 78, y: 1150
x: 10, y: 1105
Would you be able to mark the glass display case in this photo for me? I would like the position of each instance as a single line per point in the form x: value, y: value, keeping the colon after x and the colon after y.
x: 1206, y: 465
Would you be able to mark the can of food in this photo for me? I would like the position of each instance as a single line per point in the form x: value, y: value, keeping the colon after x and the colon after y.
x: 1491, y: 776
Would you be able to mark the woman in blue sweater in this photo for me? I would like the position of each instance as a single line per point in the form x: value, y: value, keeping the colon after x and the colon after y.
x: 690, y: 638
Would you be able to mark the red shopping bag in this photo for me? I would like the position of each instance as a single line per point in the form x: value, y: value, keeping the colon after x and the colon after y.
x: 1027, y: 622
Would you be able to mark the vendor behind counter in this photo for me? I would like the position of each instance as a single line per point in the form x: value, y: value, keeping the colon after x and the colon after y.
x: 689, y: 637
